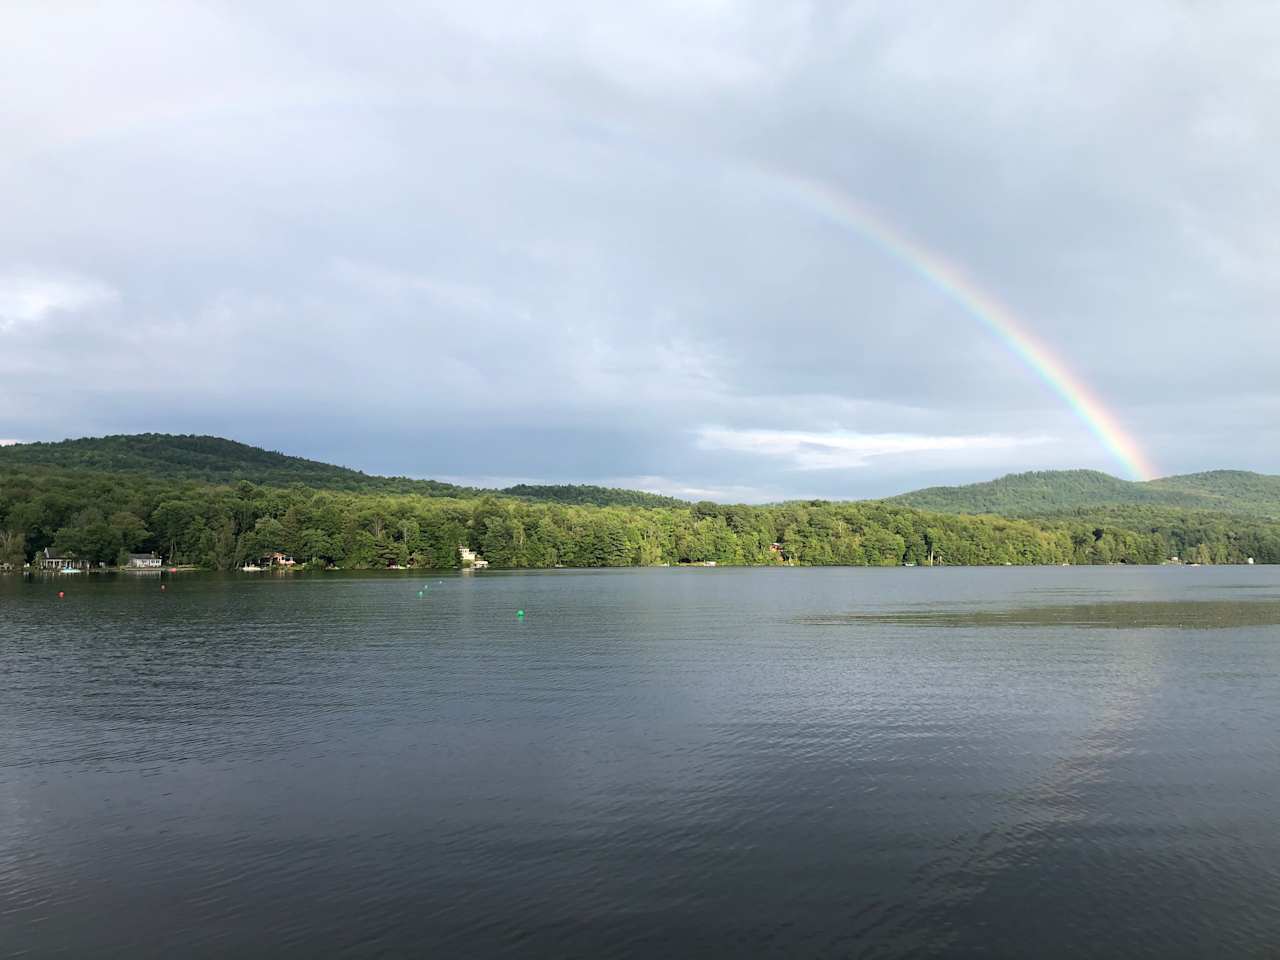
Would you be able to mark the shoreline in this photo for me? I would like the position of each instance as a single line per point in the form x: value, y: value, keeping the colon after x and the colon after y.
x: 465, y: 571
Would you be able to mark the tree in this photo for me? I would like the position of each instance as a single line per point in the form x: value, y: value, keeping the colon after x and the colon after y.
x: 266, y: 537
x: 13, y: 549
x: 90, y: 537
x: 172, y: 521
x: 133, y: 532
x: 228, y: 549
x: 317, y: 547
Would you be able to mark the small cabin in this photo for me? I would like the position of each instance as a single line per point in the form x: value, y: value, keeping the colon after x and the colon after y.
x: 145, y: 561
x: 278, y: 559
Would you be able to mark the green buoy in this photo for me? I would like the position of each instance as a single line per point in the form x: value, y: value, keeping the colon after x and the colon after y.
x: 520, y: 614
x: 419, y: 594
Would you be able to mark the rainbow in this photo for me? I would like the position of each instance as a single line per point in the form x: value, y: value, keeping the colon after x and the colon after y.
x: 952, y: 280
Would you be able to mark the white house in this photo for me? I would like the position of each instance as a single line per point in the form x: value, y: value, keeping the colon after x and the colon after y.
x: 145, y: 561
x: 469, y: 559
x: 55, y: 560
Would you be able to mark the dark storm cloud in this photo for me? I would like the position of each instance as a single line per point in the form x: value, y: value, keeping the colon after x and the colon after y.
x: 546, y: 243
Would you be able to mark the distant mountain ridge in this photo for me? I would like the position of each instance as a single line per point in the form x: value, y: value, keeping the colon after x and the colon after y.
x: 217, y: 460
x: 1055, y: 492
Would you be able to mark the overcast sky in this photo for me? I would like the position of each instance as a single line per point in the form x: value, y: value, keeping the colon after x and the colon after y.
x: 544, y: 242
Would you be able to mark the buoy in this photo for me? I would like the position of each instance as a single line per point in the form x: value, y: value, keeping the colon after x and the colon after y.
x: 61, y: 594
x: 520, y: 614
x: 419, y: 594
x: 162, y: 586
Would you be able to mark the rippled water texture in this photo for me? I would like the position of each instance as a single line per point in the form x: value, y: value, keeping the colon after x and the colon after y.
x: 783, y: 762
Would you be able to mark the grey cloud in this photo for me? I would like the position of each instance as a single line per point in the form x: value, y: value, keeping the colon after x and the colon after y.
x: 496, y: 240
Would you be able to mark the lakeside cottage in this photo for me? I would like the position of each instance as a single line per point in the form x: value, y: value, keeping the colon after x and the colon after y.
x: 55, y: 560
x: 470, y: 559
x: 145, y: 561
x: 278, y: 559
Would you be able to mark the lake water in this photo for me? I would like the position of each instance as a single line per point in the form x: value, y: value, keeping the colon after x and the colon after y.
x: 1006, y: 762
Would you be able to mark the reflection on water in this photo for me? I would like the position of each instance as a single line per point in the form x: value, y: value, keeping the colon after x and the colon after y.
x: 671, y: 762
x: 1179, y: 614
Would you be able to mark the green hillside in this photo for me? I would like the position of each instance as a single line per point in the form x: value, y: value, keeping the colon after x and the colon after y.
x: 584, y: 493
x: 218, y: 504
x: 1239, y: 488
x: 204, y: 459
x: 216, y: 460
x: 1046, y: 493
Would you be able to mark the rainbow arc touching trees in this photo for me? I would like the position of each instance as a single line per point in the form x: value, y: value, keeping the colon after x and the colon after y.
x: 954, y: 282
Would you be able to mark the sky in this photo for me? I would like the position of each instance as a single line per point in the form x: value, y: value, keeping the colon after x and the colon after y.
x: 704, y: 248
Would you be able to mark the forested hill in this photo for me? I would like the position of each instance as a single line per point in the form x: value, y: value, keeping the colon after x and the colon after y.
x: 216, y: 460
x: 1054, y: 492
x: 217, y: 504
x: 584, y: 493
x: 206, y: 460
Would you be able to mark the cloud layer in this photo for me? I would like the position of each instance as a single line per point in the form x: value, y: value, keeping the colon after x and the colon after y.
x: 31, y: 296
x: 551, y: 243
x: 841, y: 450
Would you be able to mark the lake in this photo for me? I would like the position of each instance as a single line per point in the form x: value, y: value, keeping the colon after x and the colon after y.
x: 1051, y: 762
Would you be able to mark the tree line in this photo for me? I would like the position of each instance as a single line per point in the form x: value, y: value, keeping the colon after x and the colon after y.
x: 99, y: 517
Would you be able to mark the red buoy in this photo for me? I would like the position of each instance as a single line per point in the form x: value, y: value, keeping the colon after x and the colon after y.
x: 61, y: 594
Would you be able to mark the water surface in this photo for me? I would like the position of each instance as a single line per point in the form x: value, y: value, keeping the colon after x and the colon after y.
x: 774, y: 762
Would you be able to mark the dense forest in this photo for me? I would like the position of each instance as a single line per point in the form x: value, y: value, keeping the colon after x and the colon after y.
x: 218, y: 504
x: 1049, y: 492
x: 216, y: 460
x: 97, y: 516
